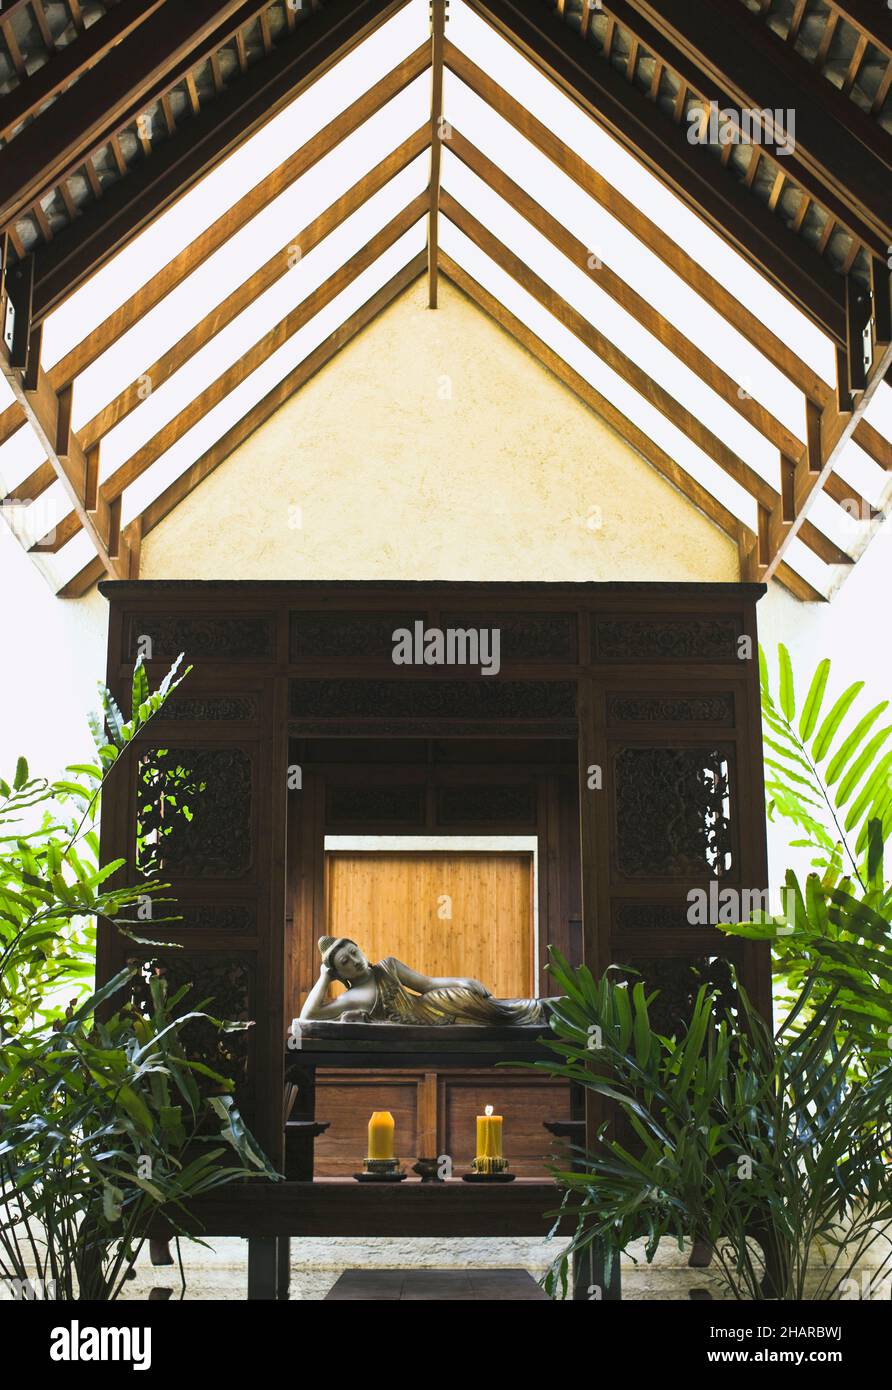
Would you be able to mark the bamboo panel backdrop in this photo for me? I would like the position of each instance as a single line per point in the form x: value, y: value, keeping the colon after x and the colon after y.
x: 389, y: 903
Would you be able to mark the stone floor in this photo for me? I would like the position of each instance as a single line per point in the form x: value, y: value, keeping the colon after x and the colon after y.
x: 221, y: 1271
x: 218, y: 1270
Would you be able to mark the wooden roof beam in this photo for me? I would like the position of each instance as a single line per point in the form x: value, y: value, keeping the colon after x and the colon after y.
x: 298, y: 61
x: 690, y: 170
x: 245, y: 293
x: 438, y: 38
x: 636, y: 376
x: 701, y: 363
x: 49, y: 415
x: 71, y: 62
x: 651, y: 452
x: 776, y: 351
x: 235, y: 218
x: 744, y: 66
x: 54, y: 144
x: 151, y: 294
x: 829, y: 432
x: 872, y: 18
x: 655, y: 238
x: 241, y: 369
x: 182, y: 486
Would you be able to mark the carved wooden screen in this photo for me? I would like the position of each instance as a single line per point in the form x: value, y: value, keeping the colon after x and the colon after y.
x: 217, y: 750
x: 671, y: 794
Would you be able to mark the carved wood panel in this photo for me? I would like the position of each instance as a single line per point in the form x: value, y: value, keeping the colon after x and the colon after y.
x: 195, y: 814
x: 666, y: 637
x: 163, y: 636
x: 673, y: 812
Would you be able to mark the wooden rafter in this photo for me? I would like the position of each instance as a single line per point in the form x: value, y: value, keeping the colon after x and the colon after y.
x: 872, y: 18
x: 273, y: 269
x: 829, y: 433
x: 49, y: 416
x: 277, y: 266
x: 742, y: 65
x: 235, y: 218
x: 323, y: 38
x: 55, y: 143
x: 602, y: 347
x: 438, y: 38
x: 651, y: 452
x: 71, y: 62
x: 665, y: 332
x: 690, y: 170
x: 148, y: 296
x: 164, y: 439
x: 655, y: 238
x: 180, y: 488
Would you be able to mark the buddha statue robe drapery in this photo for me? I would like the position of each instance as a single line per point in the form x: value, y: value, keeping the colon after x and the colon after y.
x: 445, y: 1004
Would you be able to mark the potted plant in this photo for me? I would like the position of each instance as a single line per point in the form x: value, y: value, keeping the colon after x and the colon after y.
x: 103, y: 1125
x: 762, y: 1145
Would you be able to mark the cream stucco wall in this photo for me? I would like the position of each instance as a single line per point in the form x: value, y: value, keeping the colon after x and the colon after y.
x: 435, y: 447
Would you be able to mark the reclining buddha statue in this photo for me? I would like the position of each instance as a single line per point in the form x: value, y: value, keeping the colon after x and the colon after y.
x: 391, y: 992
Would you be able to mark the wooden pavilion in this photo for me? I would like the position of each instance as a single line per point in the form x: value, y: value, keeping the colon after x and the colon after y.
x: 682, y: 212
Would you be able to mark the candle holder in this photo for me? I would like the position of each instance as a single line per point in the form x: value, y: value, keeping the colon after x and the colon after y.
x: 381, y: 1170
x: 489, y: 1170
x: 428, y: 1169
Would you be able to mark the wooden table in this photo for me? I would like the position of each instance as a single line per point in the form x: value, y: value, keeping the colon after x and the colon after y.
x: 270, y: 1214
x: 383, y: 1047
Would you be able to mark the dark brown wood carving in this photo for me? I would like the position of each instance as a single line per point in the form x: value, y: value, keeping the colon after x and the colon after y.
x: 201, y: 638
x: 666, y: 638
x: 675, y: 981
x: 673, y: 817
x: 194, y: 808
x: 671, y: 709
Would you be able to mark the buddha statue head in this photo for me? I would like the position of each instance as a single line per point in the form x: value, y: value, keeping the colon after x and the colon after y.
x: 343, y: 958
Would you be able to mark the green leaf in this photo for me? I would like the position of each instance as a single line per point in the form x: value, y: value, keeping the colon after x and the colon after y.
x: 813, y: 699
x: 852, y: 742
x: 873, y: 787
x: 860, y: 766
x: 140, y: 689
x: 86, y: 769
x: 824, y: 737
x: 21, y: 774
x: 787, y: 694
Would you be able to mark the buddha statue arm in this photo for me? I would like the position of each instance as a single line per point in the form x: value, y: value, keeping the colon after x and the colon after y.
x: 421, y: 984
x: 315, y: 1006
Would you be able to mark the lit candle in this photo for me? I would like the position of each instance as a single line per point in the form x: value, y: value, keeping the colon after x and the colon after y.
x: 489, y: 1135
x: 381, y: 1135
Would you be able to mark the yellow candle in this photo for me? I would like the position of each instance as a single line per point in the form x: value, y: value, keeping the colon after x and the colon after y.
x: 381, y: 1135
x: 489, y: 1135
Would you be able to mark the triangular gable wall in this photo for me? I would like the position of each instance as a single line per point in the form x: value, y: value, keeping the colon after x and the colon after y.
x: 458, y: 153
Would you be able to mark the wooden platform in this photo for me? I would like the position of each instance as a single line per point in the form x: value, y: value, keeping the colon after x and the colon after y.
x: 336, y: 1207
x: 436, y: 1285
